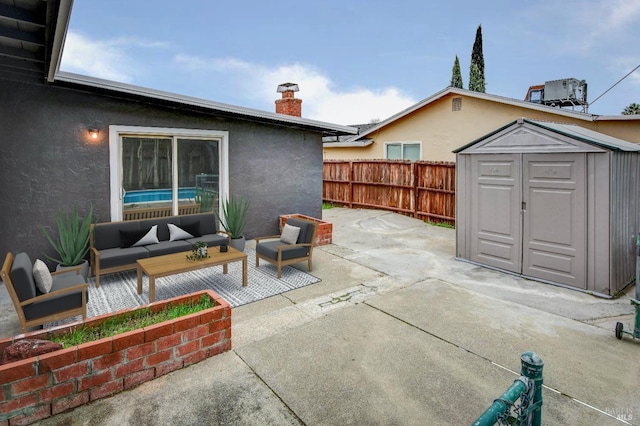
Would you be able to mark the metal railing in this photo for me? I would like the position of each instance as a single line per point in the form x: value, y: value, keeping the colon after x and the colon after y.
x: 521, y: 403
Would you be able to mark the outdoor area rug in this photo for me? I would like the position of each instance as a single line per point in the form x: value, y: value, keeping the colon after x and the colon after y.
x: 119, y: 290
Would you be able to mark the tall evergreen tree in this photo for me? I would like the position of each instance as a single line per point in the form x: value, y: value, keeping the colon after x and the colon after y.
x: 476, y: 75
x: 476, y: 82
x: 456, y: 75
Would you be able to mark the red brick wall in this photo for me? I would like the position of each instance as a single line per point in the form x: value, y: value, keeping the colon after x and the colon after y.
x: 325, y: 229
x: 39, y: 387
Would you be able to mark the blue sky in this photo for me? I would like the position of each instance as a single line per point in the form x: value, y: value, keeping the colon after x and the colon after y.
x: 355, y: 60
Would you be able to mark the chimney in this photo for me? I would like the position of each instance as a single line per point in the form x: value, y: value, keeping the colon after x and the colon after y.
x: 289, y: 105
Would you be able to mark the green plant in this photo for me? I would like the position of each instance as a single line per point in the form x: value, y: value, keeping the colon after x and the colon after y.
x: 234, y: 216
x: 442, y: 225
x: 130, y: 321
x: 72, y: 244
x: 199, y: 251
x: 205, y: 198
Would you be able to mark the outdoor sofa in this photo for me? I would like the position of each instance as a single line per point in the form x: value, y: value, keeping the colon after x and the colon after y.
x: 116, y: 246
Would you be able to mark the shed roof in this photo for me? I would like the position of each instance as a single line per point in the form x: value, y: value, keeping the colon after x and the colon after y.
x: 569, y: 130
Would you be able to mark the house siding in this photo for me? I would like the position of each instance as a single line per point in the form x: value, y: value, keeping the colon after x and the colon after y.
x: 49, y: 163
x: 442, y: 130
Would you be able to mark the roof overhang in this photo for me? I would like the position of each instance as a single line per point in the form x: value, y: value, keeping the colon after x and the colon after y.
x: 32, y: 35
x: 157, y: 96
x: 361, y: 143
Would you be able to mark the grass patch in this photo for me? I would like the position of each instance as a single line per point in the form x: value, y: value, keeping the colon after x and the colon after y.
x: 442, y: 225
x: 327, y: 206
x: 130, y: 321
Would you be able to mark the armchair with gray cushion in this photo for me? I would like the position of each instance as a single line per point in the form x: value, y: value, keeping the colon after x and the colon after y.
x: 294, y: 245
x: 67, y: 296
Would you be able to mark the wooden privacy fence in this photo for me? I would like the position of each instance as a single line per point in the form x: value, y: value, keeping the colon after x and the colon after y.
x: 421, y: 189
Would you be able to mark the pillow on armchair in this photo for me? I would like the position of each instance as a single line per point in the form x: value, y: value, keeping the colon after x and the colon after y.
x: 42, y: 276
x: 289, y: 234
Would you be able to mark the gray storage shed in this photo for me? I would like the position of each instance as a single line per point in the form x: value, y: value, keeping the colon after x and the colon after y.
x: 554, y: 202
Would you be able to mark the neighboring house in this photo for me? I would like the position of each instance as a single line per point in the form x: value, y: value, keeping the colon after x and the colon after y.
x: 144, y: 138
x: 434, y: 127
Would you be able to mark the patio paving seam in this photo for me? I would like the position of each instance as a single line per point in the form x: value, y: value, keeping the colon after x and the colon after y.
x: 261, y: 379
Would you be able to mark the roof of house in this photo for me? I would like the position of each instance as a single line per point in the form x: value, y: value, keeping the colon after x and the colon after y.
x: 32, y: 34
x: 204, y: 105
x: 573, y: 131
x: 491, y: 98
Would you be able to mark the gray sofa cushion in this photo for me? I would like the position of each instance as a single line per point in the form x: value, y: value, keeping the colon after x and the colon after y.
x: 168, y: 247
x: 208, y: 222
x: 212, y: 240
x: 59, y: 303
x: 121, y: 256
x: 270, y: 250
x: 107, y: 235
x: 22, y: 277
x: 131, y: 238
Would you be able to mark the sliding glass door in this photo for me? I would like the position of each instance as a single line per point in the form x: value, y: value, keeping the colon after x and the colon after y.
x: 162, y: 175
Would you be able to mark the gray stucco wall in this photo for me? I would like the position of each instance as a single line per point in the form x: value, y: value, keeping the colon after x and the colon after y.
x: 48, y: 162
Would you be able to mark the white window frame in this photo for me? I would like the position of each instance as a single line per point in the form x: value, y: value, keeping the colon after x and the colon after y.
x: 116, y: 132
x: 402, y: 144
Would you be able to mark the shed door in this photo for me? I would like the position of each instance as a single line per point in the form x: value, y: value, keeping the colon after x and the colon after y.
x: 495, y: 205
x: 554, y: 219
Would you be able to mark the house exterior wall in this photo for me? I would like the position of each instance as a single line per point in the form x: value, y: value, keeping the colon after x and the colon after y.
x: 442, y: 130
x: 49, y: 163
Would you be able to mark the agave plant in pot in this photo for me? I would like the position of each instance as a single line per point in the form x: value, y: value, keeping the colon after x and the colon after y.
x: 72, y: 244
x: 234, y: 219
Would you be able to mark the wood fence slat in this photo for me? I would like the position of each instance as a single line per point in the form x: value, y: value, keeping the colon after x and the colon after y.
x: 422, y: 189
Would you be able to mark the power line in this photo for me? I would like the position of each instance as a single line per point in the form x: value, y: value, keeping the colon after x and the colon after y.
x: 628, y: 74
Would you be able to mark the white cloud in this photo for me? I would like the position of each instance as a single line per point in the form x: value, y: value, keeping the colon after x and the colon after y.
x: 108, y: 59
x: 321, y: 99
x: 96, y: 58
x: 254, y: 85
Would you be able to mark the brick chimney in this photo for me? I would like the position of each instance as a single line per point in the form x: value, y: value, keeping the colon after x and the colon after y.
x: 289, y: 105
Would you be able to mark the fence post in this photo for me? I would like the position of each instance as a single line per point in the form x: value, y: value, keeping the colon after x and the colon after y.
x: 532, y: 368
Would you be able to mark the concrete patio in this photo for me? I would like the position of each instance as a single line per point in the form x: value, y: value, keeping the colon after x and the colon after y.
x: 397, y: 332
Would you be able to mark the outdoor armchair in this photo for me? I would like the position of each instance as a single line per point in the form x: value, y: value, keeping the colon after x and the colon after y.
x: 67, y: 297
x: 283, y: 249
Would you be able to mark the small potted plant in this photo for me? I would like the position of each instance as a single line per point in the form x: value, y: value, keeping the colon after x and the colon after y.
x: 234, y: 220
x: 72, y: 244
x: 199, y: 251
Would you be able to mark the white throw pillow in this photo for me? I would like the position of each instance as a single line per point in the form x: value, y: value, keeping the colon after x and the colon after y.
x: 42, y: 276
x: 150, y: 237
x: 290, y: 234
x: 176, y: 233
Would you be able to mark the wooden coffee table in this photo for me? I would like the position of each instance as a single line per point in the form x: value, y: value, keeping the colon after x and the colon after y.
x: 177, y: 263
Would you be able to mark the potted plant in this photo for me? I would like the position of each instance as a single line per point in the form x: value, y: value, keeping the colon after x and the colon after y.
x: 234, y: 220
x: 72, y: 244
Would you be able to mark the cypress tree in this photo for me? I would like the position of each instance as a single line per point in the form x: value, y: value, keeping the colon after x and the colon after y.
x: 456, y: 75
x: 476, y: 76
x: 476, y: 82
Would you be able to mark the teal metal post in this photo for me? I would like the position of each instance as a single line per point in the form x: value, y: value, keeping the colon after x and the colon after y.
x: 532, y: 368
x: 500, y: 405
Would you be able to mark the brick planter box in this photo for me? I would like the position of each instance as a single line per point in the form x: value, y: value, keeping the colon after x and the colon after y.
x: 324, y: 228
x: 42, y: 386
